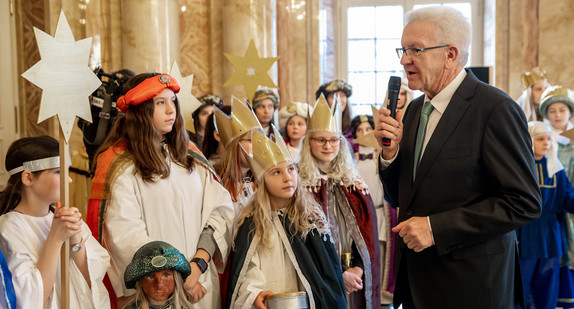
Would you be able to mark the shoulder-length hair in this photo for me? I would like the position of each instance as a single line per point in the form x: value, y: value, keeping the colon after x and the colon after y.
x: 180, y: 298
x: 143, y: 142
x: 342, y: 167
x: 302, y: 210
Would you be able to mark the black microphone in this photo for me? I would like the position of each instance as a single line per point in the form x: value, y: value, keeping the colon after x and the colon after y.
x: 394, y: 88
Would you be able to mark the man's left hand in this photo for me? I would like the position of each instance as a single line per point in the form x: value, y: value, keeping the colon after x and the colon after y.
x: 416, y: 233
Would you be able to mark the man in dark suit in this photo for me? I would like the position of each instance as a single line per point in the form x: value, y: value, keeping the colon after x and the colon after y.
x: 461, y: 170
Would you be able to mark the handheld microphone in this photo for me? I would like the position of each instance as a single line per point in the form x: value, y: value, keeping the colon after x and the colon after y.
x: 394, y: 88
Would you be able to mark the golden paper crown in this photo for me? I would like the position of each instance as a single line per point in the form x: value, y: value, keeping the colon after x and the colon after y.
x: 530, y: 78
x: 241, y: 121
x: 325, y: 119
x: 265, y: 152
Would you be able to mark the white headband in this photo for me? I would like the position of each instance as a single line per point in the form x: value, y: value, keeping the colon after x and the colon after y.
x: 37, y: 165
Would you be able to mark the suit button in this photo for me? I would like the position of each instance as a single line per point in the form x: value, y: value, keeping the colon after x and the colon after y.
x: 409, y: 212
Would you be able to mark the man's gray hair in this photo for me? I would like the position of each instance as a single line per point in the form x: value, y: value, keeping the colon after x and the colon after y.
x: 452, y: 27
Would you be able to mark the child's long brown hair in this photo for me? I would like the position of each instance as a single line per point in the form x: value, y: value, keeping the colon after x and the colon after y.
x: 143, y: 142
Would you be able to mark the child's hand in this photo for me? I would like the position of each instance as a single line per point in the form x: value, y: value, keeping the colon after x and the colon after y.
x: 258, y: 302
x: 67, y: 222
x: 352, y: 279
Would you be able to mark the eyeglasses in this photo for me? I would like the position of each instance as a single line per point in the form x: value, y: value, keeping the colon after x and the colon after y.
x: 321, y: 141
x: 415, y: 51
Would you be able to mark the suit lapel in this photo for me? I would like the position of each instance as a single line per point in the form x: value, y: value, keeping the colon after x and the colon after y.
x: 446, y: 126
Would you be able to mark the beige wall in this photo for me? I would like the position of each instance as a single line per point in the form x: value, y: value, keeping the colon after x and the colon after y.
x: 555, y: 45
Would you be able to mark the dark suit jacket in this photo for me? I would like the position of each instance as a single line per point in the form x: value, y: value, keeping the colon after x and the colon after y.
x: 476, y: 182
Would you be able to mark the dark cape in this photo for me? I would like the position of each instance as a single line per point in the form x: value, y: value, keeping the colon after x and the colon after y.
x: 316, y: 258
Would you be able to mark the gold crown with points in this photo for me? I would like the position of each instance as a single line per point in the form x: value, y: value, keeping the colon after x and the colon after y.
x: 265, y: 152
x: 530, y: 78
x: 241, y: 121
x: 324, y: 118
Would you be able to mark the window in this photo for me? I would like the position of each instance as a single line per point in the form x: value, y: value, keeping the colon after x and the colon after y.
x: 366, y: 42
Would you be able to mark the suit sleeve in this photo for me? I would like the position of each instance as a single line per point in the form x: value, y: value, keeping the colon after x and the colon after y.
x: 512, y: 197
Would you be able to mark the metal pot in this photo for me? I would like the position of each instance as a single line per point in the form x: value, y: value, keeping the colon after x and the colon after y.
x: 295, y: 300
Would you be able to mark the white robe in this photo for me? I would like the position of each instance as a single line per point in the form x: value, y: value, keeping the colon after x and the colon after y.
x: 368, y: 170
x: 174, y: 210
x: 22, y: 238
x: 275, y: 269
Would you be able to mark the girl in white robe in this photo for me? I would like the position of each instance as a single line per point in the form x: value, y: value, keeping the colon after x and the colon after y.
x: 32, y: 232
x: 150, y: 184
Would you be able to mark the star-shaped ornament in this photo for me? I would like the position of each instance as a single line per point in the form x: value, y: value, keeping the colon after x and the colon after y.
x: 64, y: 76
x: 251, y: 70
x: 188, y: 103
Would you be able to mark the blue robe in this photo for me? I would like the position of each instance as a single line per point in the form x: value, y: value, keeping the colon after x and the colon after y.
x: 542, y: 241
x: 8, y: 298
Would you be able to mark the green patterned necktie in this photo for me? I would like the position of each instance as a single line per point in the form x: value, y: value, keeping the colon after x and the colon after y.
x: 427, y: 109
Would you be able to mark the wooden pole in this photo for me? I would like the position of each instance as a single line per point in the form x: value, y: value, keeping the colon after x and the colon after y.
x: 65, y: 200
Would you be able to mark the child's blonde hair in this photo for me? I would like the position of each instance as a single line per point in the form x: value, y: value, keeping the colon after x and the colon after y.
x: 303, y: 211
x: 342, y: 170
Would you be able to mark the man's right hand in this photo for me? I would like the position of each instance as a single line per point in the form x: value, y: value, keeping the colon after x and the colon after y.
x: 391, y: 129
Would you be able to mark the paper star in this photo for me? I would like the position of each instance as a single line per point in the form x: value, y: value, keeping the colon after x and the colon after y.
x: 188, y: 103
x: 251, y: 71
x: 64, y: 76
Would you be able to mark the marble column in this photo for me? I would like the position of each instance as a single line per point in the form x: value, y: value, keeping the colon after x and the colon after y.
x: 298, y: 48
x: 530, y: 31
x: 243, y: 20
x: 150, y: 34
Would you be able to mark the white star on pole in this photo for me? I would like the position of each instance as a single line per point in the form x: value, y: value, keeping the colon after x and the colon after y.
x: 64, y: 76
x: 188, y: 103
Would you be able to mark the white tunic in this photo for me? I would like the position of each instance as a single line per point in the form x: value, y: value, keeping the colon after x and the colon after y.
x: 174, y: 210
x: 272, y: 269
x: 368, y: 170
x: 22, y: 238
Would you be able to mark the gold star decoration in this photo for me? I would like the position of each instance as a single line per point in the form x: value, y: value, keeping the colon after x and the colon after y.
x: 251, y: 70
x: 64, y: 76
x: 188, y: 103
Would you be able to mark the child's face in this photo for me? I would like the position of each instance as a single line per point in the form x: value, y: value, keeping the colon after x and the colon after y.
x: 541, y: 143
x: 342, y: 96
x: 325, y: 146
x: 559, y: 114
x: 537, y: 90
x: 363, y: 129
x: 296, y: 127
x: 402, y: 98
x: 164, y: 111
x: 264, y: 112
x: 281, y: 183
x: 245, y: 142
x: 46, y: 185
x: 159, y: 285
x: 204, y: 114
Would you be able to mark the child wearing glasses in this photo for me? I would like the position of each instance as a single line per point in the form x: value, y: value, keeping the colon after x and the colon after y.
x: 327, y: 170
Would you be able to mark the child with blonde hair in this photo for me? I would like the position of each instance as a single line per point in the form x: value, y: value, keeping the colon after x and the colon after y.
x: 282, y: 243
x: 327, y: 169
